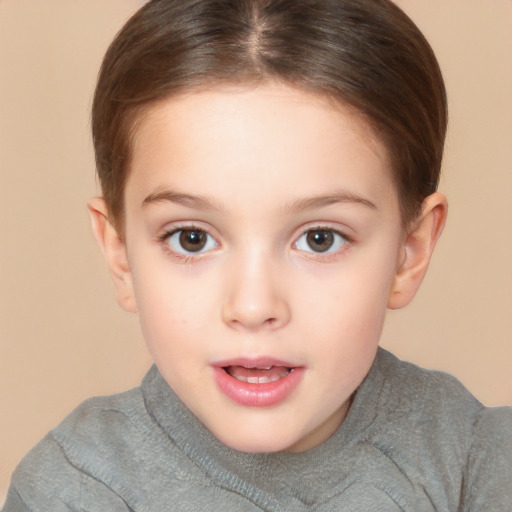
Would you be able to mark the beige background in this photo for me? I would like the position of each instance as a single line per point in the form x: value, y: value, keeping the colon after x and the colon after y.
x: 62, y: 336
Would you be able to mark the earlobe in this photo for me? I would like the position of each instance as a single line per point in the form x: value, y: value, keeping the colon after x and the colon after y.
x: 114, y: 251
x: 417, y: 250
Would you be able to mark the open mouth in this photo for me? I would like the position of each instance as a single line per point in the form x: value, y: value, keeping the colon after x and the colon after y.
x: 259, y: 382
x: 257, y: 375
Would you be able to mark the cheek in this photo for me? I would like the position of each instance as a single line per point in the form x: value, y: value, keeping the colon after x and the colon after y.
x: 353, y: 290
x: 344, y: 311
x: 172, y: 305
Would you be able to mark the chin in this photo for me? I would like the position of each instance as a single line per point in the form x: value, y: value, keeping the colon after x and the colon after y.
x: 255, y: 443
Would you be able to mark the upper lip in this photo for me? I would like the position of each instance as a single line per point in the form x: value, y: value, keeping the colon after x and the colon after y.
x: 256, y: 362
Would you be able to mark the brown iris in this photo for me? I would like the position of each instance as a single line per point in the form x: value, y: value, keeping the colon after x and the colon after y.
x: 320, y: 241
x: 193, y: 240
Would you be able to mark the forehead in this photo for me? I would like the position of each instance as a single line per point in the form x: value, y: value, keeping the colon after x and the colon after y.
x: 264, y: 139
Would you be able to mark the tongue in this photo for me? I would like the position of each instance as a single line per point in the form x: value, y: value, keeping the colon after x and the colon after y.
x: 257, y: 375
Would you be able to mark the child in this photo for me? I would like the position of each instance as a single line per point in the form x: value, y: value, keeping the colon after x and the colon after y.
x: 269, y: 173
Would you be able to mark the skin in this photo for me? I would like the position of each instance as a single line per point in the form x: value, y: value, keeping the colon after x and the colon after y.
x: 258, y: 169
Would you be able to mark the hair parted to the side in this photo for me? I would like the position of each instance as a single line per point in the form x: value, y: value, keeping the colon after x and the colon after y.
x: 364, y: 53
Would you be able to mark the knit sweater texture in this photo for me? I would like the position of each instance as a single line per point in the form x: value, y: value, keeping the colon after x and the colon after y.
x: 414, y: 440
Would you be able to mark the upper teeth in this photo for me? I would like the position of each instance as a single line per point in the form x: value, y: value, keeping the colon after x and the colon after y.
x: 263, y: 379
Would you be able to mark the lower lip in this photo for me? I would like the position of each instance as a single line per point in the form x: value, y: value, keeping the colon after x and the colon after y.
x: 258, y: 395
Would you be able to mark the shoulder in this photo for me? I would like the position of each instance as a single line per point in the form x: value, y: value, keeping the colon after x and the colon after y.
x: 438, y: 405
x: 447, y: 443
x: 488, y: 471
x: 426, y: 415
x: 64, y: 466
x: 111, y: 453
x: 100, y: 421
x: 421, y: 393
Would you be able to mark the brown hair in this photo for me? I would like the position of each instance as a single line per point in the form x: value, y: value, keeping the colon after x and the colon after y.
x: 365, y: 53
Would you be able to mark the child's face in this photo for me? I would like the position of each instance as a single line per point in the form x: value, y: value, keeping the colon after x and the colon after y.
x: 262, y: 230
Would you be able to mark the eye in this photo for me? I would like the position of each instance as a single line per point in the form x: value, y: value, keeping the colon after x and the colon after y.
x: 321, y: 241
x: 190, y: 241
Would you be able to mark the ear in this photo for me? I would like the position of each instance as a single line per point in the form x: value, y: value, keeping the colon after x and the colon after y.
x: 114, y: 250
x: 418, y: 247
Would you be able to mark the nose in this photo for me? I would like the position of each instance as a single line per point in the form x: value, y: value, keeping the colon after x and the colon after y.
x: 255, y: 295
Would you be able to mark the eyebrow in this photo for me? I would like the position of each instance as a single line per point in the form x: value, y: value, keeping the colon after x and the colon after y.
x: 188, y: 200
x: 296, y: 206
x: 341, y: 196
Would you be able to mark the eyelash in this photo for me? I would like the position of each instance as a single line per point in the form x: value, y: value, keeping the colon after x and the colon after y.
x: 328, y: 255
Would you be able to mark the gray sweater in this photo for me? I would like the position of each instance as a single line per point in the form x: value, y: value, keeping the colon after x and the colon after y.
x: 413, y: 441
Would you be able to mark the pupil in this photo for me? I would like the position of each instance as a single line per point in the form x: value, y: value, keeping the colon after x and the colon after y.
x: 192, y: 241
x: 320, y: 241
